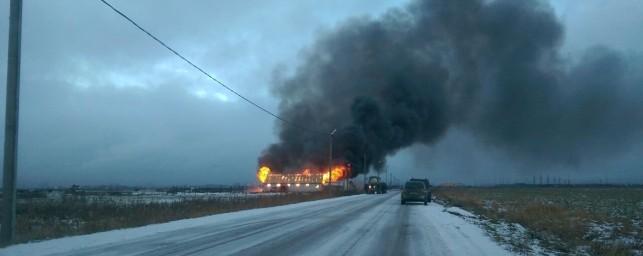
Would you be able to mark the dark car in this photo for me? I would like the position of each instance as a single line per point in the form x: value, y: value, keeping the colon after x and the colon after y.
x: 427, y: 184
x: 414, y: 191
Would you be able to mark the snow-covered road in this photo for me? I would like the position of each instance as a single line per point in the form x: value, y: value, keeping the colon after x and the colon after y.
x: 354, y: 225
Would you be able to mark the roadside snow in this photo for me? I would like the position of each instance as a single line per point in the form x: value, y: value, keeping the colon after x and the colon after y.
x: 460, y: 212
x: 77, y: 242
x: 517, y: 237
x: 514, y: 236
x: 461, y: 237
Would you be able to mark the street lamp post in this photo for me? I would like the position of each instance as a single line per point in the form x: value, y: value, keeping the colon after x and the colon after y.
x: 330, y: 158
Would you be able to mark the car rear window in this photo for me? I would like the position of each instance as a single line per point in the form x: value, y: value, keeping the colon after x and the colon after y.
x: 414, y: 185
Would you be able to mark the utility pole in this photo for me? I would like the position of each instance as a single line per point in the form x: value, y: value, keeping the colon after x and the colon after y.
x: 7, y: 231
x: 348, y: 175
x: 330, y: 158
x: 364, y: 164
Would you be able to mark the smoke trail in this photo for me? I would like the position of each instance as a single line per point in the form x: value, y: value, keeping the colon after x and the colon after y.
x: 491, y: 67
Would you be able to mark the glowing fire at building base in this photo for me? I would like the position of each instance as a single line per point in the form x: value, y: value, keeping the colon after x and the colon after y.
x: 306, y: 180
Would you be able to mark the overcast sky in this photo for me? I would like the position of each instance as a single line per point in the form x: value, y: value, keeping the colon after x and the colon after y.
x: 103, y: 104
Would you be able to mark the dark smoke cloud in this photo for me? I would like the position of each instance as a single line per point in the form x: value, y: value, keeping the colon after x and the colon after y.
x: 492, y: 68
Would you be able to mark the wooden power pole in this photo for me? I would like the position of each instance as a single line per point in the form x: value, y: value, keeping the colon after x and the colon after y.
x: 7, y: 230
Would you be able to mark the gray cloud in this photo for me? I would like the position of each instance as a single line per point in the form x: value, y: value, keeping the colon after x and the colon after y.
x: 102, y: 104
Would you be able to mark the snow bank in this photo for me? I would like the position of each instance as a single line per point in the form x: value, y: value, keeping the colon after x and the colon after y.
x: 460, y: 212
x: 460, y: 236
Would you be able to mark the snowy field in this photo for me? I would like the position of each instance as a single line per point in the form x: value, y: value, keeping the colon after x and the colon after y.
x: 142, y: 197
x: 352, y: 225
x: 161, y: 197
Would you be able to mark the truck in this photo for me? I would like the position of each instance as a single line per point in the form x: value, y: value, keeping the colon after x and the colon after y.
x: 375, y: 185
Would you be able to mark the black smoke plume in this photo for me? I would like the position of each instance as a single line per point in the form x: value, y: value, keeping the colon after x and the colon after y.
x: 492, y: 67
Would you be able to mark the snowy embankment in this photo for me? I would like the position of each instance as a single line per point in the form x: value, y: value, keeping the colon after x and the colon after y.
x: 362, y: 224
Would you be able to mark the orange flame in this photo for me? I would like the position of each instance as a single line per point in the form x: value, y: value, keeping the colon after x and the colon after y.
x: 338, y: 173
x: 265, y: 175
x: 262, y: 174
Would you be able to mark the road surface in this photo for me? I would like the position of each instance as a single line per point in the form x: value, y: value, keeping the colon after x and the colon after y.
x: 354, y: 225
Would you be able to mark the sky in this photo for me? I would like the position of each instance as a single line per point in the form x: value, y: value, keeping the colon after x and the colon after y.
x: 101, y: 103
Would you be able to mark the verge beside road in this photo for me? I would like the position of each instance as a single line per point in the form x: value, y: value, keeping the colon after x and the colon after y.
x: 351, y: 225
x: 41, y: 218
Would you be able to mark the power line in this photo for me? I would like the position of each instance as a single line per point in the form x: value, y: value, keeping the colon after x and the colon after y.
x: 204, y: 72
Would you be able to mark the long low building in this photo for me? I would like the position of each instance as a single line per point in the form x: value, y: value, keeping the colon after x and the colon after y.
x: 293, y: 182
x: 302, y: 181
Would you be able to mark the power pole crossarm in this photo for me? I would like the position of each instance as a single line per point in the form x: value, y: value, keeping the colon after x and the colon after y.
x: 7, y: 230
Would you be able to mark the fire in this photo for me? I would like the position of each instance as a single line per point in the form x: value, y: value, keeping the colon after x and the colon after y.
x: 304, y: 177
x: 338, y: 173
x: 262, y: 174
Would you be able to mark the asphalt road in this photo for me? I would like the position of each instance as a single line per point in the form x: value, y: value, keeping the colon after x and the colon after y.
x: 355, y: 225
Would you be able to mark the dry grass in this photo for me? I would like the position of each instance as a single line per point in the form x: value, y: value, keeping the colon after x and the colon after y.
x: 563, y: 219
x: 76, y: 215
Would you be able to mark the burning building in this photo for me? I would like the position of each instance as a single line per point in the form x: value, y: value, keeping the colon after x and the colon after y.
x: 300, y: 181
